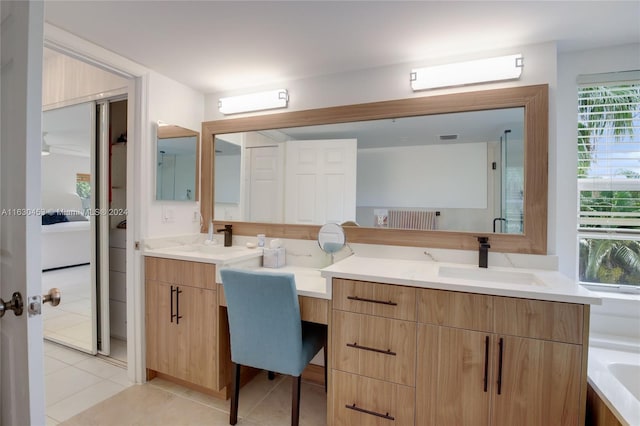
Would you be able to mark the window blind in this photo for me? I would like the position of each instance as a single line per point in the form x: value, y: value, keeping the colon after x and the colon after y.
x: 609, y: 157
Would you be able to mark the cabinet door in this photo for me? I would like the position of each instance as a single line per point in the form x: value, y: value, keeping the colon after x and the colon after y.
x: 160, y: 330
x: 196, y: 336
x: 452, y: 376
x: 540, y: 383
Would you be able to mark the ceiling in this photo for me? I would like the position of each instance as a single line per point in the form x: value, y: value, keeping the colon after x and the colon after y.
x: 218, y: 46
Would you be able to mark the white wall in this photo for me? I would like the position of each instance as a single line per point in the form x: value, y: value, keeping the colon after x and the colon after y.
x: 59, y: 172
x: 173, y: 103
x: 563, y: 156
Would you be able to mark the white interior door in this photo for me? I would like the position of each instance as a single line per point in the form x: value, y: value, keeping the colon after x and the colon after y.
x: 264, y: 186
x: 21, y: 347
x: 320, y: 181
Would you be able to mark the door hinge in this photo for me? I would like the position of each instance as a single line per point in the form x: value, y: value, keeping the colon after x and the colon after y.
x: 136, y: 245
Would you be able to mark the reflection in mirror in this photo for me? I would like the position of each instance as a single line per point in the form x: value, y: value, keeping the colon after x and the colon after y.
x: 331, y: 238
x: 177, y: 163
x: 227, y: 177
x: 533, y: 100
x: 458, y: 172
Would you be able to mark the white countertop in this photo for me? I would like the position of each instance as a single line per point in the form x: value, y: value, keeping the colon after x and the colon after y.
x: 309, y: 282
x: 216, y: 254
x: 614, y: 375
x: 498, y: 281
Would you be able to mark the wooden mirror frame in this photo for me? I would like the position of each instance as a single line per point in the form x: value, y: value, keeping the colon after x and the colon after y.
x: 534, y: 99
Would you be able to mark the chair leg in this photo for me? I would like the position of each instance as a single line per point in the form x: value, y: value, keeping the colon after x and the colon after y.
x: 295, y: 401
x: 235, y: 396
x: 271, y: 375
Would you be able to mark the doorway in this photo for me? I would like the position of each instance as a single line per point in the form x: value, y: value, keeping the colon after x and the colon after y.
x: 84, y: 204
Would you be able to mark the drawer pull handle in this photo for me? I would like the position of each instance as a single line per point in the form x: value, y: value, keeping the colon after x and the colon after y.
x: 373, y: 413
x: 362, y: 299
x: 366, y: 348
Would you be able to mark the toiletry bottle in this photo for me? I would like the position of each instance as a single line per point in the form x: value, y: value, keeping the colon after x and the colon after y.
x: 261, y: 240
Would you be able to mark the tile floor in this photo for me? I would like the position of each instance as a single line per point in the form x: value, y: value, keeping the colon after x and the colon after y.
x: 86, y: 390
x: 75, y: 381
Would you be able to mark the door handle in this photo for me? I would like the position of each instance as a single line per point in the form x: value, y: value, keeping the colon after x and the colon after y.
x: 53, y: 296
x: 15, y: 304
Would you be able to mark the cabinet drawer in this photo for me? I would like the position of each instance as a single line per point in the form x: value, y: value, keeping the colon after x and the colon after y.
x: 455, y: 309
x: 370, y: 402
x: 385, y: 300
x: 376, y: 347
x: 194, y: 274
x: 561, y: 322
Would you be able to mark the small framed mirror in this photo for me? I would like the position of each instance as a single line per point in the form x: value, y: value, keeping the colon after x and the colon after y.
x: 177, y: 163
x: 331, y: 238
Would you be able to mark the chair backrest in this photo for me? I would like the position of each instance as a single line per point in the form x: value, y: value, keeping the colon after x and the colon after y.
x: 264, y: 319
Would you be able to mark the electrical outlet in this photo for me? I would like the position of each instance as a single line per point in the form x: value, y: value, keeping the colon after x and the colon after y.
x: 196, y: 216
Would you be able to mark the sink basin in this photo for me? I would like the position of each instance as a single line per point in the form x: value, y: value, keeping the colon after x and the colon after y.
x: 490, y: 275
x: 219, y: 249
x: 204, y: 248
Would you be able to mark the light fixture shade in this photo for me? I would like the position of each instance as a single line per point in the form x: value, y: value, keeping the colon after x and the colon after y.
x: 461, y: 73
x: 254, y: 101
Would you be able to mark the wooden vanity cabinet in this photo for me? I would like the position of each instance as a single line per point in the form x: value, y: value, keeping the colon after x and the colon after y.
x: 490, y: 360
x: 373, y: 337
x: 181, y: 321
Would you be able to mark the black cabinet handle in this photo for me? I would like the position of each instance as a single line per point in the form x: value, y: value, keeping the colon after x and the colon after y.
x: 486, y: 362
x: 172, y: 314
x: 178, y: 316
x: 373, y: 413
x: 501, y: 345
x: 362, y: 299
x: 366, y: 348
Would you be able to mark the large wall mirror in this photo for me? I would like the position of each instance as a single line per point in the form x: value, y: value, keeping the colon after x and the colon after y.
x: 434, y: 171
x: 177, y: 163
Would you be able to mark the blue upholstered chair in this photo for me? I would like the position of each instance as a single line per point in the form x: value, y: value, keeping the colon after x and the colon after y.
x: 266, y: 329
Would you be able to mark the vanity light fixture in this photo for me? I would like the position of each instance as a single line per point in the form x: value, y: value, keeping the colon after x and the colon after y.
x: 270, y: 99
x: 462, y: 73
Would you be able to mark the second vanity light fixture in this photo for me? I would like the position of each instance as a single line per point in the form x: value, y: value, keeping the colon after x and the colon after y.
x: 461, y: 73
x: 270, y: 99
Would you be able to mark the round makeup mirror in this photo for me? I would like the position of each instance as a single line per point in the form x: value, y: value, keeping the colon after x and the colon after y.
x: 331, y: 238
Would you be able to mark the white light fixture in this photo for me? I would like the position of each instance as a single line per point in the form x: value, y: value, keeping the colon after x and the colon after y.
x: 461, y: 73
x: 254, y: 101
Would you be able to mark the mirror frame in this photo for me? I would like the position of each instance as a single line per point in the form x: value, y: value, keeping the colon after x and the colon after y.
x: 169, y: 131
x: 533, y: 98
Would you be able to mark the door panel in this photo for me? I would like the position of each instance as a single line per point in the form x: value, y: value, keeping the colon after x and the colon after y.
x: 320, y: 181
x: 21, y: 356
x: 450, y: 383
x: 540, y: 383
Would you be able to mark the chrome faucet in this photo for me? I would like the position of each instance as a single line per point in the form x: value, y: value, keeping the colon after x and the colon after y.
x: 228, y: 234
x: 483, y: 254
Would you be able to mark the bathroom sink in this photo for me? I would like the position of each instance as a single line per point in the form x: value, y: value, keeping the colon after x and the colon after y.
x: 219, y: 249
x: 490, y: 275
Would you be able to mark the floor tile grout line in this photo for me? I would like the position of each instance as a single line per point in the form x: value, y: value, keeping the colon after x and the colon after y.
x: 184, y: 396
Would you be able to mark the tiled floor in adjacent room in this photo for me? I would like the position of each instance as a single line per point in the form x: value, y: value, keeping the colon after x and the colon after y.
x: 85, y: 390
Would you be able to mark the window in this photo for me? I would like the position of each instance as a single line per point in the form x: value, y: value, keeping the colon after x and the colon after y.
x: 83, y: 189
x: 609, y: 182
